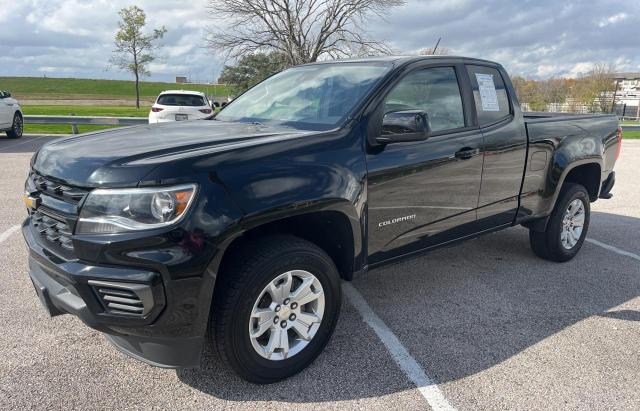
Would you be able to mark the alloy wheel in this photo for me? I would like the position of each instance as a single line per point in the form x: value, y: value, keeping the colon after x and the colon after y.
x: 572, y: 224
x: 17, y: 125
x: 286, y: 315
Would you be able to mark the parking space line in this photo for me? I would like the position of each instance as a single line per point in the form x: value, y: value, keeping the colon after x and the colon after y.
x: 425, y: 384
x: 8, y: 232
x: 614, y: 249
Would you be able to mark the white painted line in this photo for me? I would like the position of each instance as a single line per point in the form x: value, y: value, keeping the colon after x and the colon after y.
x: 614, y: 249
x: 425, y: 384
x: 8, y: 232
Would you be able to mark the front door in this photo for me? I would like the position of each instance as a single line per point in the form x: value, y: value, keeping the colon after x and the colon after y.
x: 425, y: 193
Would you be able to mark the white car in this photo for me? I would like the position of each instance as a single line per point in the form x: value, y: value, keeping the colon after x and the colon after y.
x: 179, y: 105
x: 11, y: 120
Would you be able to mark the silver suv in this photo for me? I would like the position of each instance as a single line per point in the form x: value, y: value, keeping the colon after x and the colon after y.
x: 11, y: 120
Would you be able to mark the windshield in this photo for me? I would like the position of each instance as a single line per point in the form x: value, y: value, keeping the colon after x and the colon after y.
x: 314, y: 97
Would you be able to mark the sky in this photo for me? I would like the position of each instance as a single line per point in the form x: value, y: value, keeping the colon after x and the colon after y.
x: 535, y: 39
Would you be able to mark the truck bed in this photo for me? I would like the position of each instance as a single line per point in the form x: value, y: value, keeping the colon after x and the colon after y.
x: 542, y: 126
x: 553, y: 138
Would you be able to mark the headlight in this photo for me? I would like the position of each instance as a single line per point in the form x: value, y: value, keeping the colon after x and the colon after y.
x: 128, y: 209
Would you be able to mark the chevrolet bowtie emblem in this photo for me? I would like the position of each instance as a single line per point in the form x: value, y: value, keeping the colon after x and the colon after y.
x: 30, y: 202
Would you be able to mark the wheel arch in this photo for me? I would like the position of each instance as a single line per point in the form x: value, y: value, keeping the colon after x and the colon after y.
x: 588, y: 175
x: 585, y: 172
x: 333, y: 230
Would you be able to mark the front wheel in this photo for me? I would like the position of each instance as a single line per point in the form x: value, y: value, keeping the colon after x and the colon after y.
x: 16, y: 127
x: 276, y: 308
x: 567, y: 226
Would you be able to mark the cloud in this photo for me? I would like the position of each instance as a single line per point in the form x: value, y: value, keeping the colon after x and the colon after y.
x: 75, y: 38
x: 616, y: 18
x: 541, y: 38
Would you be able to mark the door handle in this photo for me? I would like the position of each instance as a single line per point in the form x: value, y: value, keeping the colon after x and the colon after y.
x: 467, y: 152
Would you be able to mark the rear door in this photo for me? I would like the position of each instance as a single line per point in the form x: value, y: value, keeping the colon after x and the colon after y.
x: 425, y: 193
x: 505, y: 145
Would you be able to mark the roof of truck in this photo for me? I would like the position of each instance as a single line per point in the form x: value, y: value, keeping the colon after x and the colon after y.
x: 399, y: 60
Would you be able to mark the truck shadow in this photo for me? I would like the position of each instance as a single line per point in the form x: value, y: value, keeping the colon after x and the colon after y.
x: 459, y: 311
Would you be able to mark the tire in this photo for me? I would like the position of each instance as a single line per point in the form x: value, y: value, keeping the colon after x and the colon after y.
x: 238, y: 293
x: 554, y: 244
x: 17, y: 127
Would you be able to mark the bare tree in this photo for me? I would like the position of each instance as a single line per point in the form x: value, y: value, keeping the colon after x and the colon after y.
x: 302, y: 30
x: 133, y: 48
x: 440, y: 51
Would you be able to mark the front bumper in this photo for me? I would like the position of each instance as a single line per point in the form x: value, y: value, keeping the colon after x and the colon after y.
x: 69, y: 287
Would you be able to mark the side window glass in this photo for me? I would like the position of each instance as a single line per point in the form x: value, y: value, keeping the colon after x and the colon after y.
x: 490, y: 94
x: 434, y: 91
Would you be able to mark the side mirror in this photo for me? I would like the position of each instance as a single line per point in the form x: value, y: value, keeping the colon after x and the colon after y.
x: 404, y: 126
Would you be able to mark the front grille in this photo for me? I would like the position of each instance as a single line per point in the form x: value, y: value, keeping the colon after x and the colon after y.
x: 124, y: 298
x: 53, y: 230
x: 57, y: 212
x: 67, y: 193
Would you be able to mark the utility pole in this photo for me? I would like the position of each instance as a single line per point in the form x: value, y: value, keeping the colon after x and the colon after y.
x: 615, y: 94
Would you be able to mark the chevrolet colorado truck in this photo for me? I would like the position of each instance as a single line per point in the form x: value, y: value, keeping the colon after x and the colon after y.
x: 238, y: 229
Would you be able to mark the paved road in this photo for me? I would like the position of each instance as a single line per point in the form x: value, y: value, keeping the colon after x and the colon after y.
x: 486, y: 322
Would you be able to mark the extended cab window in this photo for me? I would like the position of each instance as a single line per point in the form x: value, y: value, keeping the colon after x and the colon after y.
x: 434, y: 91
x: 490, y: 94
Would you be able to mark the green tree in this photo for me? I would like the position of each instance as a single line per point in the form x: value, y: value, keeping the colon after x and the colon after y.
x: 252, y: 69
x: 595, y: 90
x: 540, y: 95
x: 133, y: 48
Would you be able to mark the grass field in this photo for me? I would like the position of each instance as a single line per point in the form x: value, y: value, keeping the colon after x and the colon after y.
x: 109, y: 111
x: 41, y: 88
x: 631, y: 134
x: 68, y: 89
x: 112, y: 111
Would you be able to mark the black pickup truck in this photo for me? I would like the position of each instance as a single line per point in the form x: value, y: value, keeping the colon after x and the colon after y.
x: 238, y: 229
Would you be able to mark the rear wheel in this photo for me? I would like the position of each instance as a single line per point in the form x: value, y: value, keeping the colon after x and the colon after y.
x: 16, y: 127
x: 276, y: 308
x: 567, y: 227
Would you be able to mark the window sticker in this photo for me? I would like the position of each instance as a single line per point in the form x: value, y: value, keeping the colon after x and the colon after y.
x: 488, y: 95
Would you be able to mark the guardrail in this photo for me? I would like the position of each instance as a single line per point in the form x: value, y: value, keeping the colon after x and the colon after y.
x: 74, y: 121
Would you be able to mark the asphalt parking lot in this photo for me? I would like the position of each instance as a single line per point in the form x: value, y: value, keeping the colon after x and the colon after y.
x: 483, y: 325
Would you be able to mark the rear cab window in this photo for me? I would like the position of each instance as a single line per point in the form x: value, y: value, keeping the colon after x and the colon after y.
x: 490, y: 95
x: 188, y: 100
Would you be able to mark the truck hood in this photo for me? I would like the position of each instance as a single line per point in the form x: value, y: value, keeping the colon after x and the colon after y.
x: 122, y: 157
